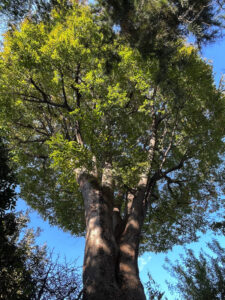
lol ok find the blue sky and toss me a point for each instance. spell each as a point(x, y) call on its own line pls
point(215, 53)
point(73, 248)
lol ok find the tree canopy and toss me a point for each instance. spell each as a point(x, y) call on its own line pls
point(154, 26)
point(75, 95)
point(116, 128)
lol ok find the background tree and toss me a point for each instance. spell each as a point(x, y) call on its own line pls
point(219, 227)
point(154, 26)
point(28, 271)
point(95, 133)
point(200, 277)
point(52, 279)
point(15, 11)
point(7, 182)
point(153, 290)
point(15, 279)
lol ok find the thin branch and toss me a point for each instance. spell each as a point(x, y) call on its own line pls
point(46, 98)
point(46, 102)
point(49, 124)
point(64, 93)
point(29, 126)
point(168, 148)
point(76, 90)
point(80, 294)
point(66, 129)
point(30, 141)
point(177, 167)
point(44, 283)
point(78, 95)
point(78, 98)
point(44, 95)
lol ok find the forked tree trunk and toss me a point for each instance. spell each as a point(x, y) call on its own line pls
point(110, 270)
point(129, 280)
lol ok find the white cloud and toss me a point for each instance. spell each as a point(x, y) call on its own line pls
point(143, 261)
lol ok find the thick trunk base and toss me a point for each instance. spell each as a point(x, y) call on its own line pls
point(110, 270)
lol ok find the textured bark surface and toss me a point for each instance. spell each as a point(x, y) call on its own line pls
point(110, 269)
point(100, 250)
point(128, 272)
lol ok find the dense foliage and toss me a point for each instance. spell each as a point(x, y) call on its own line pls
point(75, 76)
point(7, 181)
point(155, 26)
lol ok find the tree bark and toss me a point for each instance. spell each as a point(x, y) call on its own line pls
point(110, 270)
point(99, 275)
point(128, 272)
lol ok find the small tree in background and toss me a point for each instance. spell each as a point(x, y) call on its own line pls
point(200, 278)
point(13, 11)
point(28, 271)
point(16, 281)
point(153, 290)
point(31, 272)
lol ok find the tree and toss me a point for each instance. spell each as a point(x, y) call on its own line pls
point(154, 26)
point(218, 227)
point(14, 10)
point(28, 271)
point(52, 279)
point(7, 182)
point(201, 278)
point(105, 147)
point(15, 279)
point(154, 292)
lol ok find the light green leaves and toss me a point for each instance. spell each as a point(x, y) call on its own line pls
point(74, 79)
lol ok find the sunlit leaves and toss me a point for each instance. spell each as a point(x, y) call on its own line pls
point(65, 78)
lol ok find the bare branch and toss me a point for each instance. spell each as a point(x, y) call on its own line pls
point(44, 281)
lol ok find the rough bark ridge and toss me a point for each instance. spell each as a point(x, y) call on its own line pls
point(110, 269)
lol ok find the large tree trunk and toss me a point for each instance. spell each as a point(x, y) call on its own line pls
point(99, 276)
point(110, 270)
point(129, 280)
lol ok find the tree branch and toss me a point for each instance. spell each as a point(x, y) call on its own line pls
point(29, 126)
point(168, 148)
point(177, 167)
point(64, 93)
point(46, 98)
